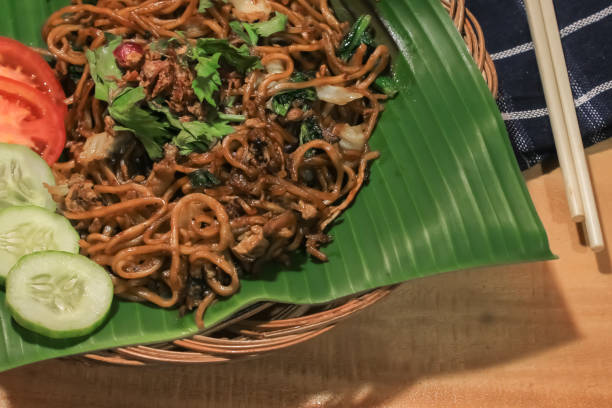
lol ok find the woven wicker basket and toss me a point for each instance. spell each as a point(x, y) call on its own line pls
point(270, 326)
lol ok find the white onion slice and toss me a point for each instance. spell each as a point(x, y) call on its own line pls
point(352, 137)
point(251, 10)
point(275, 67)
point(337, 94)
point(96, 147)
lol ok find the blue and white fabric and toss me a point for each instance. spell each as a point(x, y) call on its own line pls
point(586, 31)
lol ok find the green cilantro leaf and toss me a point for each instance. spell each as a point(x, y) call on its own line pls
point(126, 111)
point(207, 80)
point(204, 4)
point(245, 32)
point(274, 25)
point(197, 136)
point(103, 67)
point(250, 33)
point(203, 178)
point(238, 58)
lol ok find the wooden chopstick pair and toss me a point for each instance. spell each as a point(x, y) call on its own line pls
point(562, 112)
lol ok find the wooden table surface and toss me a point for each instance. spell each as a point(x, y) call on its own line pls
point(533, 335)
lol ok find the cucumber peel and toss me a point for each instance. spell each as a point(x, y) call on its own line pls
point(23, 175)
point(58, 294)
point(28, 229)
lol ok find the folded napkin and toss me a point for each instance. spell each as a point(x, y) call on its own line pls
point(586, 29)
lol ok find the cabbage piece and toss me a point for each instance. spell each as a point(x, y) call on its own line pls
point(251, 10)
point(337, 94)
point(352, 137)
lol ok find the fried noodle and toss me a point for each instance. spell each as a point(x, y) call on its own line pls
point(171, 243)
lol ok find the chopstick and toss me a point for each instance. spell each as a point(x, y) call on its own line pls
point(564, 122)
point(551, 93)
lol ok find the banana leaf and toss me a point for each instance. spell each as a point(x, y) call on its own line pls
point(445, 195)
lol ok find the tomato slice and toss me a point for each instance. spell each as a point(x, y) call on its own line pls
point(21, 63)
point(28, 117)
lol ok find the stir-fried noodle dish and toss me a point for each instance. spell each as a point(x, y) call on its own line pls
point(207, 138)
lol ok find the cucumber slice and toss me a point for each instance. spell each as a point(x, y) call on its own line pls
point(28, 229)
point(22, 174)
point(58, 294)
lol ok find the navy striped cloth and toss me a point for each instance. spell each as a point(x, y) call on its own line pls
point(586, 32)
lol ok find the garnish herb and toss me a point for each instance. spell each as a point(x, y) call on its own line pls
point(250, 33)
point(208, 79)
point(310, 130)
point(202, 178)
point(358, 34)
point(126, 111)
point(282, 102)
point(103, 67)
point(386, 85)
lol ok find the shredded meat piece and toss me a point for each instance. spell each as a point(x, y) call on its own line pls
point(182, 86)
point(156, 76)
point(130, 76)
point(164, 76)
point(313, 242)
point(308, 211)
point(233, 208)
point(295, 114)
point(330, 135)
point(239, 181)
point(252, 245)
point(109, 125)
point(183, 98)
point(194, 295)
point(132, 60)
point(82, 196)
point(163, 172)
